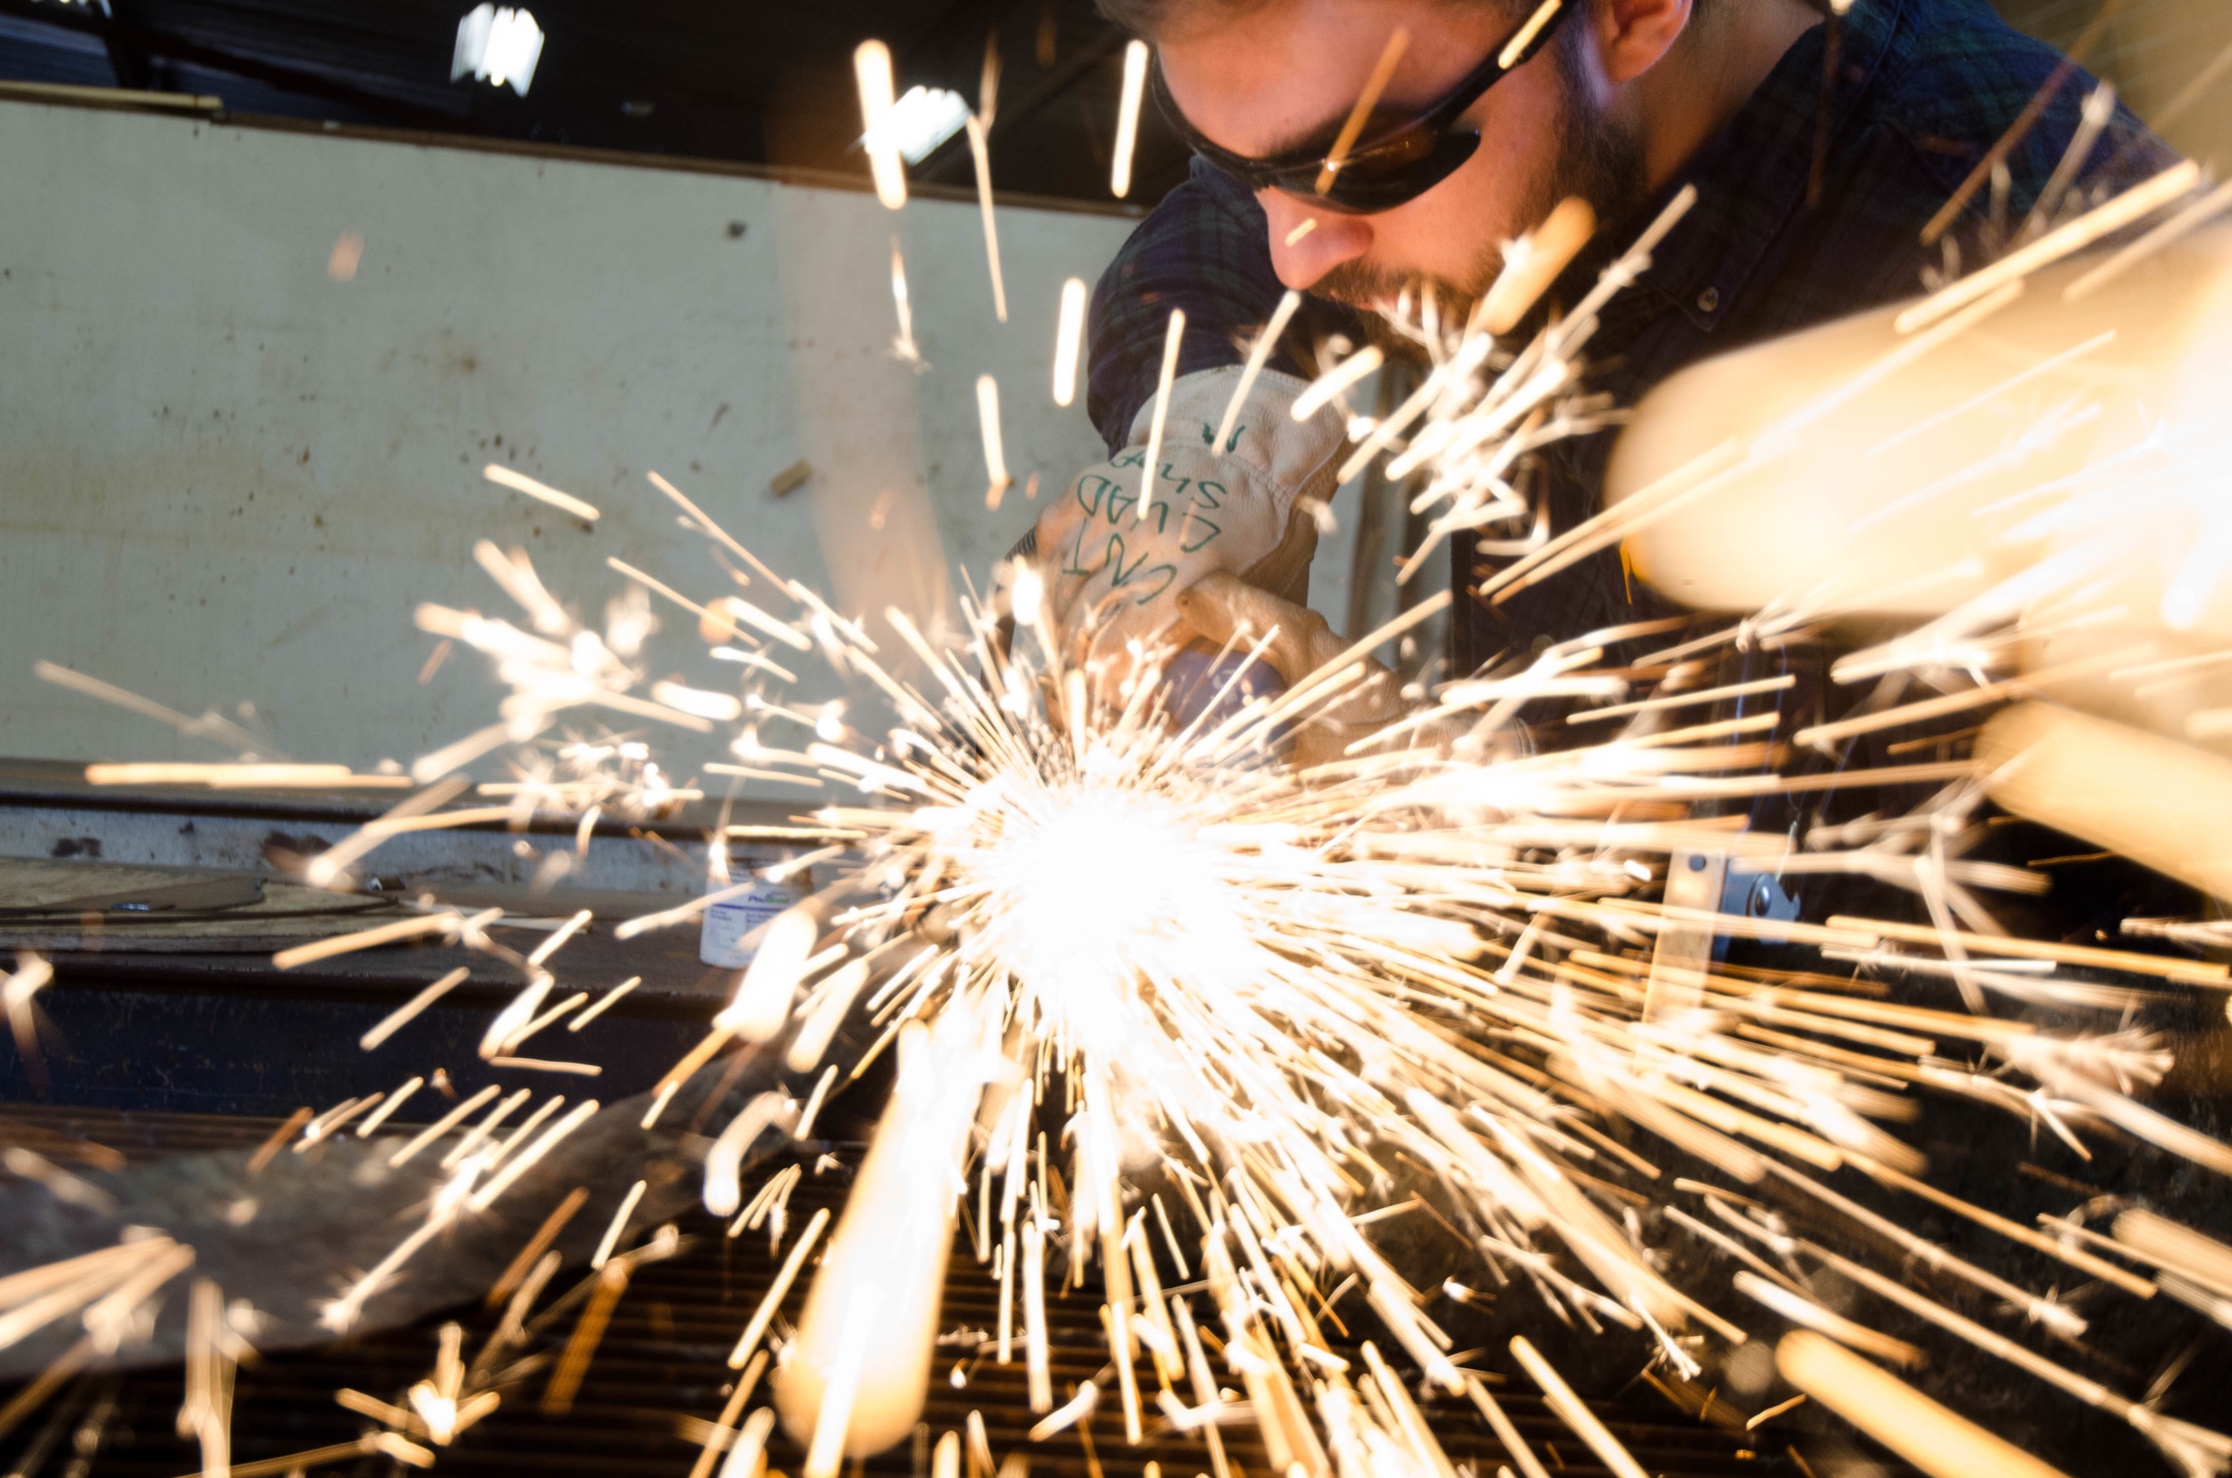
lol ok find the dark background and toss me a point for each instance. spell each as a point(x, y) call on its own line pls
point(753, 83)
point(770, 85)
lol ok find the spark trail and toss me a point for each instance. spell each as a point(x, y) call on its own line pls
point(1110, 949)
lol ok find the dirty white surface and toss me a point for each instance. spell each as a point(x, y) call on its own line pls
point(229, 478)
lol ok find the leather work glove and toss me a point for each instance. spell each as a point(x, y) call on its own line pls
point(1112, 577)
point(1225, 609)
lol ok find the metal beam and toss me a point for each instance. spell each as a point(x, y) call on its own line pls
point(1023, 109)
point(134, 69)
point(115, 33)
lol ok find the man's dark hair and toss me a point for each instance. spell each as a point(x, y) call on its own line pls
point(1145, 17)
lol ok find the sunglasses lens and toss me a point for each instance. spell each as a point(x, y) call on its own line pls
point(1393, 173)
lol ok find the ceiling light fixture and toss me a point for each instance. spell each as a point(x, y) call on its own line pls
point(923, 118)
point(498, 47)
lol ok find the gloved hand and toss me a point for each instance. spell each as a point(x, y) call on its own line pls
point(1225, 609)
point(1112, 577)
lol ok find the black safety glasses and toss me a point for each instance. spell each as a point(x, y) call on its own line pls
point(1395, 160)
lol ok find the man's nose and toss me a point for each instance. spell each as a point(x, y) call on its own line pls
point(1307, 243)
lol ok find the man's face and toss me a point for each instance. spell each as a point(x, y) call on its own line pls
point(1263, 79)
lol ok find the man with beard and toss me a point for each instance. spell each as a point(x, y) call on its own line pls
point(1819, 150)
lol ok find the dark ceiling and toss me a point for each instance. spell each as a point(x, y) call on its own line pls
point(747, 81)
point(758, 82)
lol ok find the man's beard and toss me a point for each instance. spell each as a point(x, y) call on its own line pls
point(1596, 160)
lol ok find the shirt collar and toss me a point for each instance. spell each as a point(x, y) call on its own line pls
point(1752, 176)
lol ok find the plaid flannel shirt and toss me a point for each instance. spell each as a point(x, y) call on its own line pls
point(1923, 89)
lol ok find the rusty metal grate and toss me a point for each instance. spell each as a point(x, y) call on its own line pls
point(660, 1372)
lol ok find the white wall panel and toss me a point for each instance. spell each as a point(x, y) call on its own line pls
point(227, 478)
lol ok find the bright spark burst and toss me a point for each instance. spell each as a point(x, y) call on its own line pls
point(1267, 982)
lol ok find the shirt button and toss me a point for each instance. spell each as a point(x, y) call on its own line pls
point(1708, 300)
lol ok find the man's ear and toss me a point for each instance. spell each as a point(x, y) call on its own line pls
point(1634, 36)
